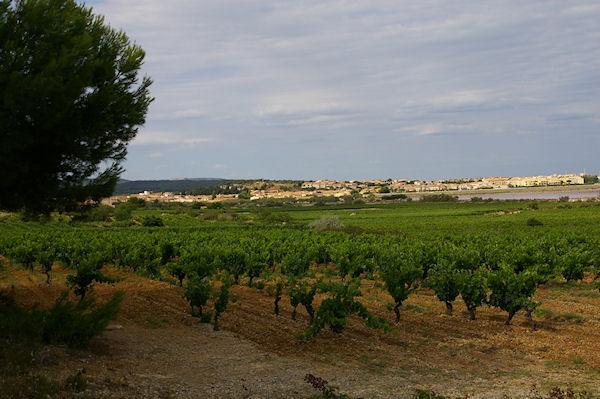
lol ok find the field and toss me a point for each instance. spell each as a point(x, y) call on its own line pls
point(157, 349)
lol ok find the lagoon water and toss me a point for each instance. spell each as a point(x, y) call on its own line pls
point(549, 195)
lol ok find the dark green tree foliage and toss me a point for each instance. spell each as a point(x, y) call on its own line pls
point(444, 279)
point(341, 303)
point(473, 289)
point(400, 276)
point(197, 293)
point(511, 291)
point(70, 101)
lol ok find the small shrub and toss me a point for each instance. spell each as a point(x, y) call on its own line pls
point(197, 293)
point(123, 212)
point(570, 317)
point(322, 385)
point(152, 221)
point(87, 273)
point(327, 222)
point(534, 222)
point(71, 323)
point(425, 394)
point(278, 218)
point(136, 202)
point(439, 198)
point(214, 205)
point(100, 213)
point(76, 323)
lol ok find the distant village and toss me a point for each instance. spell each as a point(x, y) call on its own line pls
point(334, 188)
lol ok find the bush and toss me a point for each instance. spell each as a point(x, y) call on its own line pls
point(327, 222)
point(511, 291)
point(214, 205)
point(87, 273)
point(439, 198)
point(137, 202)
point(152, 221)
point(534, 222)
point(197, 293)
point(75, 324)
point(394, 197)
point(100, 213)
point(276, 218)
point(123, 212)
point(65, 322)
point(400, 274)
point(336, 308)
point(444, 278)
point(473, 289)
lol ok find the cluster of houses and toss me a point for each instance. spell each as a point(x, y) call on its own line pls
point(404, 185)
point(344, 188)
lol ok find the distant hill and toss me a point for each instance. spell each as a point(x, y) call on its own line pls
point(174, 185)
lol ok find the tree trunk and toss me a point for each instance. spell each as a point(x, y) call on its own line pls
point(276, 310)
point(510, 316)
point(47, 273)
point(471, 313)
point(294, 313)
point(311, 312)
point(397, 311)
point(529, 318)
point(449, 308)
point(216, 327)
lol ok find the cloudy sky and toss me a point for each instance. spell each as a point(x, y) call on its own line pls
point(345, 89)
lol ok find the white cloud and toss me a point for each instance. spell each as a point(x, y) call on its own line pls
point(257, 76)
point(146, 137)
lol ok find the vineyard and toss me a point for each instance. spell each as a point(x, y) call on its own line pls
point(380, 267)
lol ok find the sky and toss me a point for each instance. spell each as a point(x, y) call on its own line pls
point(339, 89)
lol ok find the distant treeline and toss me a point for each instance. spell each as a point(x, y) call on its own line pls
point(214, 190)
point(138, 186)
